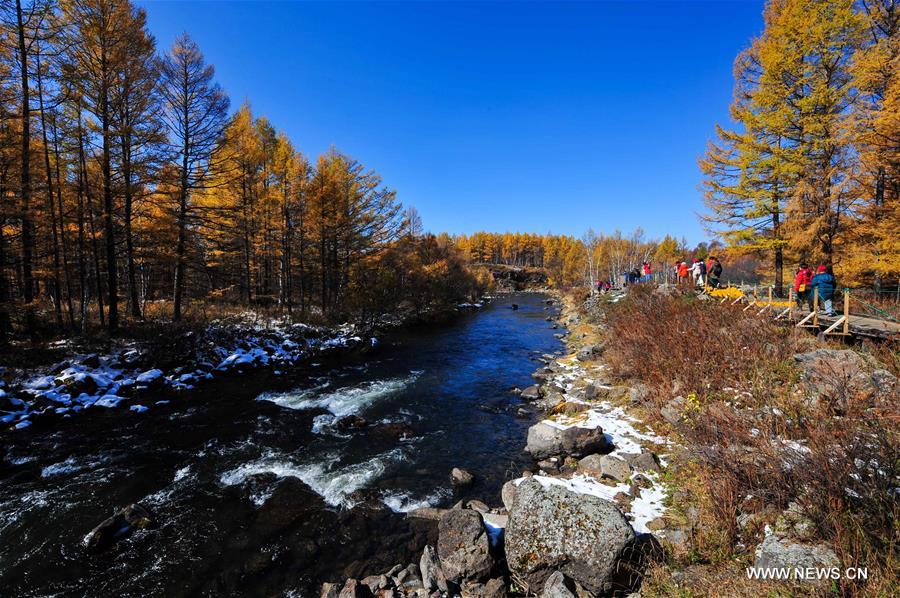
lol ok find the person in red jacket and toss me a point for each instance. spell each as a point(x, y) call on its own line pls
point(801, 284)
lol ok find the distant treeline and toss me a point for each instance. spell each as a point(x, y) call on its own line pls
point(127, 188)
point(572, 261)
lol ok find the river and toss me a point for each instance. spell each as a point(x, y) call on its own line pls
point(254, 488)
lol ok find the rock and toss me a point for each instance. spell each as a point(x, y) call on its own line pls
point(569, 408)
point(118, 527)
point(508, 494)
point(391, 432)
point(545, 440)
point(590, 465)
point(430, 513)
point(461, 478)
point(495, 520)
point(673, 411)
point(432, 574)
point(835, 378)
point(549, 465)
point(640, 393)
point(330, 590)
point(557, 586)
point(552, 528)
point(656, 524)
point(778, 552)
point(463, 546)
point(590, 392)
point(646, 461)
point(590, 352)
point(495, 588)
point(350, 422)
point(375, 582)
point(91, 361)
point(614, 468)
point(354, 589)
point(477, 505)
point(532, 393)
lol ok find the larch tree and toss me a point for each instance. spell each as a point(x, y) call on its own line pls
point(140, 130)
point(195, 113)
point(804, 95)
point(747, 178)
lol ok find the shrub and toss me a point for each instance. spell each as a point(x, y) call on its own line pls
point(755, 441)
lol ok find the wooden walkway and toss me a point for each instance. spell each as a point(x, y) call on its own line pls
point(843, 323)
point(864, 326)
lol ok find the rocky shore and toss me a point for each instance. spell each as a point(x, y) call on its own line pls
point(585, 520)
point(133, 374)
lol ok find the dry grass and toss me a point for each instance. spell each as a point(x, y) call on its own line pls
point(755, 443)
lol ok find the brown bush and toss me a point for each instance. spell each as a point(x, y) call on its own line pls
point(682, 345)
point(756, 442)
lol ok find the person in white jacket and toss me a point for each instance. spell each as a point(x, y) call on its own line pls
point(698, 271)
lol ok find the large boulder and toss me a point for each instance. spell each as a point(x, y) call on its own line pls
point(835, 378)
point(463, 546)
point(780, 552)
point(546, 440)
point(552, 528)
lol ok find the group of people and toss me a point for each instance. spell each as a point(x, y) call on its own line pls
point(823, 281)
point(702, 272)
point(636, 275)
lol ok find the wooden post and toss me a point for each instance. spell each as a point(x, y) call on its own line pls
point(846, 311)
point(770, 293)
point(816, 306)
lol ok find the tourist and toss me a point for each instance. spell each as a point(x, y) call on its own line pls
point(802, 281)
point(825, 283)
point(683, 272)
point(715, 272)
point(697, 270)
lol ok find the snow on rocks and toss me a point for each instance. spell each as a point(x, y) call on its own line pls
point(623, 469)
point(108, 380)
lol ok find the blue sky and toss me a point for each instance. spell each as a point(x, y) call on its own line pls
point(489, 115)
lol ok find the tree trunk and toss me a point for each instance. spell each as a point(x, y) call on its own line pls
point(25, 191)
point(129, 237)
point(67, 274)
point(108, 226)
point(54, 239)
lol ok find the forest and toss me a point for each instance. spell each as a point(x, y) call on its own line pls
point(130, 190)
point(809, 170)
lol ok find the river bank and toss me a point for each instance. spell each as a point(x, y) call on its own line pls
point(594, 473)
point(255, 481)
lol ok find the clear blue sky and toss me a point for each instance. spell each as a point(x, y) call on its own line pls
point(487, 115)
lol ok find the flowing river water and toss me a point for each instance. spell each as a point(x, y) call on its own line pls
point(254, 488)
